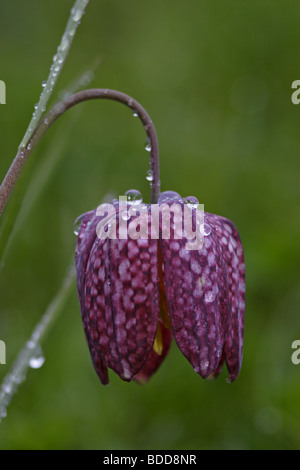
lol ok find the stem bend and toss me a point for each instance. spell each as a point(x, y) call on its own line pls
point(59, 109)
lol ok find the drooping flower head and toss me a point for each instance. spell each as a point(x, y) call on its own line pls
point(144, 277)
point(148, 273)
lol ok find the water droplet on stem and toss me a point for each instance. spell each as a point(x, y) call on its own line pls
point(37, 360)
point(149, 176)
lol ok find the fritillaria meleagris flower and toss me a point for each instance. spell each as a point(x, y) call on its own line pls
point(138, 288)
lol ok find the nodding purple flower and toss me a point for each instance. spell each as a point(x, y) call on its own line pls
point(144, 276)
point(139, 289)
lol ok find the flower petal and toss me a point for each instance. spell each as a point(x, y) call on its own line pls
point(85, 240)
point(122, 300)
point(86, 237)
point(196, 290)
point(154, 360)
point(233, 255)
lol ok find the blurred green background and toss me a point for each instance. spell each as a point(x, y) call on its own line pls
point(216, 79)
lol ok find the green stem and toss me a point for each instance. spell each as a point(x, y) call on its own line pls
point(17, 373)
point(58, 62)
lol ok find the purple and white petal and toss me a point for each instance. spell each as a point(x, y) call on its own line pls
point(196, 287)
point(155, 360)
point(233, 256)
point(85, 240)
point(122, 298)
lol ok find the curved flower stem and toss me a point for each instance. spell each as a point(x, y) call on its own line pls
point(60, 108)
point(24, 200)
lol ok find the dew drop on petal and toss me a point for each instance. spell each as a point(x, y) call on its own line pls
point(77, 224)
point(205, 229)
point(168, 196)
point(125, 215)
point(133, 210)
point(134, 197)
point(209, 296)
point(192, 200)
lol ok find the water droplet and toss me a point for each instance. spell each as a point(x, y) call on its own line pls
point(134, 197)
point(77, 224)
point(3, 412)
point(168, 196)
point(205, 229)
point(36, 106)
point(6, 387)
point(149, 176)
point(148, 147)
point(44, 83)
point(135, 114)
point(37, 360)
point(209, 296)
point(133, 210)
point(192, 201)
point(64, 44)
point(125, 215)
point(77, 15)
